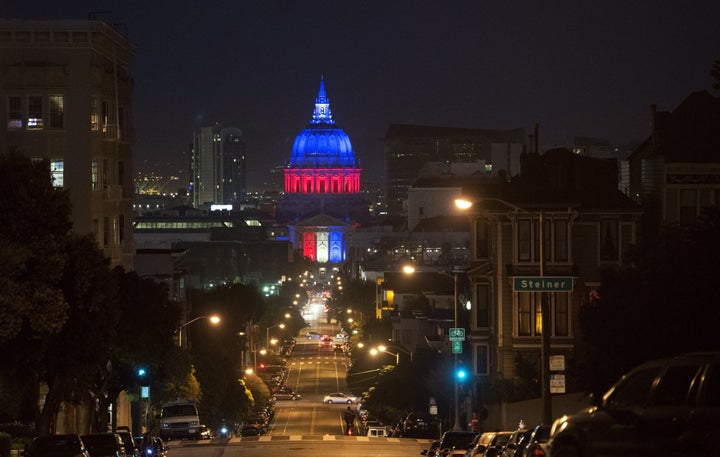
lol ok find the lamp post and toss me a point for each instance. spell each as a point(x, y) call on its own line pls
point(214, 319)
point(456, 388)
point(267, 334)
point(382, 348)
point(544, 308)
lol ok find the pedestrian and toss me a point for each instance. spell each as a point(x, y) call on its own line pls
point(349, 417)
point(474, 423)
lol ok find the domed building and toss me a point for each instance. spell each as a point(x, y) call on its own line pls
point(323, 198)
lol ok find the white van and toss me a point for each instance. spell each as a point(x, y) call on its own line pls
point(375, 431)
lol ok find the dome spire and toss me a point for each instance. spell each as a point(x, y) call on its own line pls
point(322, 113)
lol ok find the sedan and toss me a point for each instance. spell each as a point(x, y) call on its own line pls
point(285, 393)
point(339, 397)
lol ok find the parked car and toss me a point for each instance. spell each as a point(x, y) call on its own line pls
point(67, 445)
point(516, 443)
point(131, 449)
point(497, 444)
point(161, 450)
point(250, 430)
point(431, 451)
point(420, 425)
point(339, 397)
point(285, 393)
point(669, 406)
point(104, 445)
point(258, 422)
point(488, 444)
point(205, 432)
point(454, 443)
point(537, 442)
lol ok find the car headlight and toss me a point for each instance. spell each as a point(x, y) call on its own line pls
point(558, 425)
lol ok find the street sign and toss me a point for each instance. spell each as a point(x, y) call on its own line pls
point(457, 347)
point(542, 284)
point(457, 334)
point(557, 362)
point(557, 384)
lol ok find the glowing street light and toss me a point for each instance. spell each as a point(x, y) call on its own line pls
point(214, 320)
point(267, 333)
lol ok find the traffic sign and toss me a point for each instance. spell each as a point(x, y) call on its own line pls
point(457, 347)
point(542, 284)
point(457, 334)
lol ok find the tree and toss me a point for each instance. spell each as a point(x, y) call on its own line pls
point(35, 223)
point(661, 305)
point(66, 319)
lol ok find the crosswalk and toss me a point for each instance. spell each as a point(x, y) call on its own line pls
point(328, 438)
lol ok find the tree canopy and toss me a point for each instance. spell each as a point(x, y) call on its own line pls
point(663, 304)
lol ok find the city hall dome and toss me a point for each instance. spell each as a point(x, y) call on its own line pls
point(321, 144)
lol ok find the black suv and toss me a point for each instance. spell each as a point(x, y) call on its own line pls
point(57, 446)
point(664, 407)
point(420, 425)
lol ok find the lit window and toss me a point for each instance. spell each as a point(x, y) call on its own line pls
point(15, 115)
point(57, 169)
point(36, 119)
point(56, 114)
point(94, 176)
point(94, 114)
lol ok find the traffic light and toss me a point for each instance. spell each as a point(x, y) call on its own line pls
point(261, 366)
point(143, 378)
point(460, 374)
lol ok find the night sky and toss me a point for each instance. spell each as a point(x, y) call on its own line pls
point(577, 68)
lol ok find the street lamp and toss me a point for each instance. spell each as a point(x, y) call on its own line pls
point(465, 204)
point(409, 269)
point(267, 333)
point(214, 319)
point(381, 348)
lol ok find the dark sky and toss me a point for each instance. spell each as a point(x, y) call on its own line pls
point(577, 68)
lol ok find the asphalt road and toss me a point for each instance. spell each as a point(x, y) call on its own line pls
point(307, 427)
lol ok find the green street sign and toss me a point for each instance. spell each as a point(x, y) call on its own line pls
point(457, 334)
point(457, 347)
point(542, 284)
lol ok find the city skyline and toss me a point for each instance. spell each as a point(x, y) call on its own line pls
point(590, 70)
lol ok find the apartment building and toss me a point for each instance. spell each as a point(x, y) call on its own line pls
point(66, 95)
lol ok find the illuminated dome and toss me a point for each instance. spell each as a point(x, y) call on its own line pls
point(321, 145)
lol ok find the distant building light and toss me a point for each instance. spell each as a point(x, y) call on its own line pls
point(221, 207)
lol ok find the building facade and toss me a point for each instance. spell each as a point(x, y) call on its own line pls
point(322, 200)
point(675, 173)
point(411, 148)
point(585, 223)
point(323, 174)
point(218, 167)
point(67, 96)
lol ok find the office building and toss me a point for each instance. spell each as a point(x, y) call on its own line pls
point(218, 173)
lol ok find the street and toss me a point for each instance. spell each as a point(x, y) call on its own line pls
point(307, 426)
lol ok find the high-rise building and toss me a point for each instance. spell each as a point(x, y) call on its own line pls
point(66, 95)
point(411, 148)
point(218, 174)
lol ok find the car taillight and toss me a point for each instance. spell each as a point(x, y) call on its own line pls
point(537, 451)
